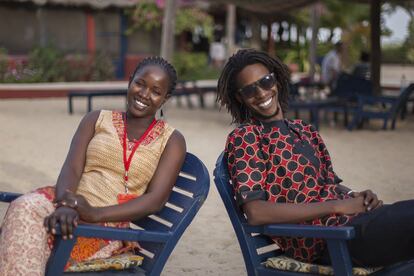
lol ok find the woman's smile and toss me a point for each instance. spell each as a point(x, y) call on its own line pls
point(139, 104)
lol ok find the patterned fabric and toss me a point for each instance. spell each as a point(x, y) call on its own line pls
point(289, 264)
point(102, 178)
point(23, 241)
point(120, 262)
point(85, 248)
point(284, 162)
point(118, 122)
point(20, 255)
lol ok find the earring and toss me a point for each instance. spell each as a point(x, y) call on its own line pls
point(162, 117)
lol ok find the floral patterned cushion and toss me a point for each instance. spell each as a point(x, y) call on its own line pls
point(289, 264)
point(118, 262)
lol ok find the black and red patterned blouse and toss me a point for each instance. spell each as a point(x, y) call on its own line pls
point(286, 162)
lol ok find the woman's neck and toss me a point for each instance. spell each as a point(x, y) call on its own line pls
point(137, 126)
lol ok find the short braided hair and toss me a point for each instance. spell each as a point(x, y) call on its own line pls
point(164, 65)
point(227, 87)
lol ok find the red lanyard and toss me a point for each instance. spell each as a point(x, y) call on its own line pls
point(127, 161)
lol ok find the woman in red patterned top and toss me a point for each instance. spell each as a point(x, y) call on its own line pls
point(282, 171)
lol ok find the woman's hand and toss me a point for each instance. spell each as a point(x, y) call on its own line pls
point(371, 201)
point(86, 212)
point(350, 206)
point(66, 217)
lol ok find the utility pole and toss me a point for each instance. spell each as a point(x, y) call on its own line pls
point(314, 40)
point(168, 27)
point(230, 28)
point(376, 45)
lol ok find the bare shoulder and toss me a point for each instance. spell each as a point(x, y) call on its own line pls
point(90, 118)
point(177, 141)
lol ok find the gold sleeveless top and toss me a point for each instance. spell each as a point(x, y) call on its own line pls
point(103, 177)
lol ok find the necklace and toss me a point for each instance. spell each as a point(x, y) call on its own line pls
point(127, 159)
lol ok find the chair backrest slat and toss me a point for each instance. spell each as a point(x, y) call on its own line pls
point(180, 200)
point(249, 243)
point(185, 183)
point(194, 182)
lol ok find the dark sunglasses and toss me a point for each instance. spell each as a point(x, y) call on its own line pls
point(264, 83)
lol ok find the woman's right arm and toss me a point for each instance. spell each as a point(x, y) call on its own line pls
point(74, 164)
point(70, 175)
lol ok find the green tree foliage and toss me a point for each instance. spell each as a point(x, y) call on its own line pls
point(189, 18)
point(353, 19)
point(409, 42)
point(148, 16)
point(48, 64)
point(3, 64)
point(194, 66)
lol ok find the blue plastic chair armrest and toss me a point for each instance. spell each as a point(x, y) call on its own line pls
point(297, 230)
point(8, 197)
point(113, 233)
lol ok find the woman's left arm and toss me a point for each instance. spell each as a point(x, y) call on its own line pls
point(153, 199)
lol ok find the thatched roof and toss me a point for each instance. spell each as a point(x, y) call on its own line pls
point(256, 6)
point(268, 6)
point(96, 4)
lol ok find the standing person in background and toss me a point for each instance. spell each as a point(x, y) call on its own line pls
point(331, 66)
point(217, 53)
point(121, 166)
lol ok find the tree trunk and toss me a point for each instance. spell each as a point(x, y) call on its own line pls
point(168, 27)
point(230, 28)
point(256, 39)
point(375, 14)
point(314, 41)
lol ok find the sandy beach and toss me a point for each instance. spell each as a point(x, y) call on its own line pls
point(35, 136)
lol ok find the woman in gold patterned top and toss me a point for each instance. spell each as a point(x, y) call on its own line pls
point(121, 166)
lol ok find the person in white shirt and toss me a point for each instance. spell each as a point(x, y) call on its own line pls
point(217, 53)
point(331, 66)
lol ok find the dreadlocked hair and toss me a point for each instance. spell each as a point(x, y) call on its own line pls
point(227, 87)
point(164, 65)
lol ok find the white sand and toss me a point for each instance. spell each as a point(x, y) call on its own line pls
point(35, 136)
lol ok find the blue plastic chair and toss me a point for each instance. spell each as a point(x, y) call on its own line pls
point(385, 108)
point(162, 230)
point(254, 238)
point(348, 88)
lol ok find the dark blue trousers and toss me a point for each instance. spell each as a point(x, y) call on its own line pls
point(384, 236)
